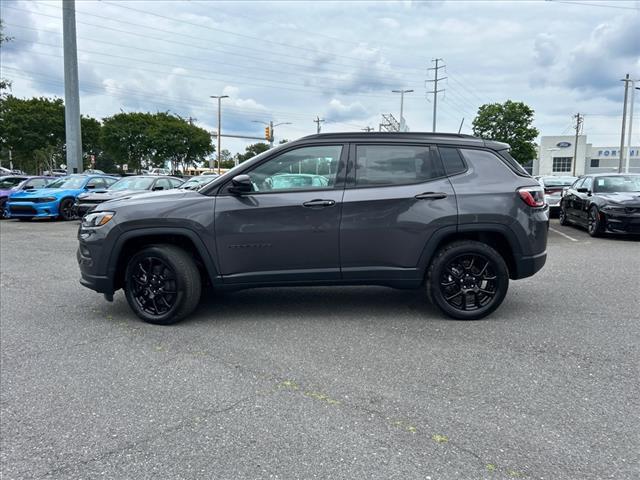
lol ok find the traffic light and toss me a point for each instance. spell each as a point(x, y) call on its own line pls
point(267, 133)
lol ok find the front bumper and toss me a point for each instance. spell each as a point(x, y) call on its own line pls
point(29, 209)
point(622, 223)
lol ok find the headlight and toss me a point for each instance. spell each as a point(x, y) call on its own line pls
point(97, 219)
point(613, 208)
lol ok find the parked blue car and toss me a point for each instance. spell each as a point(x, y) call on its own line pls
point(57, 199)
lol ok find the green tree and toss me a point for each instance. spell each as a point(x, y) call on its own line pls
point(251, 151)
point(509, 122)
point(125, 138)
point(31, 125)
point(178, 141)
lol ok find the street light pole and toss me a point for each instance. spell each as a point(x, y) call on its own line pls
point(71, 88)
point(401, 92)
point(629, 139)
point(219, 97)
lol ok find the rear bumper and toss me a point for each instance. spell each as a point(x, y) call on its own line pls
point(527, 266)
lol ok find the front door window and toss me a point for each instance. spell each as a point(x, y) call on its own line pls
point(307, 168)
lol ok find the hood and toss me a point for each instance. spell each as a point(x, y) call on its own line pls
point(104, 195)
point(46, 192)
point(149, 197)
point(626, 199)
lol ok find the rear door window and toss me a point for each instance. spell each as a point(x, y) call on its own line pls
point(380, 165)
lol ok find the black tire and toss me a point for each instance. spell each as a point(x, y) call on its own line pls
point(562, 216)
point(594, 224)
point(467, 268)
point(65, 210)
point(163, 272)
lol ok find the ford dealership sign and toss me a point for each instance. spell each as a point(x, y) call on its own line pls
point(563, 144)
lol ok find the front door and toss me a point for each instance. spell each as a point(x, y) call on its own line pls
point(287, 228)
point(397, 196)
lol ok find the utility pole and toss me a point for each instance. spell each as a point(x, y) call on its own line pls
point(626, 81)
point(401, 92)
point(579, 120)
point(368, 129)
point(191, 120)
point(435, 90)
point(460, 127)
point(318, 121)
point(631, 100)
point(219, 97)
point(71, 88)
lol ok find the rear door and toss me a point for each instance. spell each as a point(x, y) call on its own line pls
point(287, 228)
point(397, 196)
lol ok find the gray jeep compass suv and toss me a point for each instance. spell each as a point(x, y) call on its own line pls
point(451, 214)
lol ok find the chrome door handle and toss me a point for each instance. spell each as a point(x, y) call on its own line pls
point(431, 196)
point(318, 203)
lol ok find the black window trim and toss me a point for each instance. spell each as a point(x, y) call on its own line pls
point(223, 190)
point(351, 168)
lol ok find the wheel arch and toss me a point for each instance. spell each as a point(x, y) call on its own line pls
point(496, 236)
point(130, 242)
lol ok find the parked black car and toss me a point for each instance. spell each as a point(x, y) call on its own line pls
point(125, 187)
point(603, 203)
point(453, 214)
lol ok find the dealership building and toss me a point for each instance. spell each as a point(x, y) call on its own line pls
point(555, 157)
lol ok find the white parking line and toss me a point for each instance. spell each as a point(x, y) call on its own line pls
point(564, 234)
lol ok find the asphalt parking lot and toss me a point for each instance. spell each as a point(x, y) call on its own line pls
point(321, 382)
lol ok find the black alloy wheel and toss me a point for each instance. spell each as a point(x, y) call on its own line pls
point(162, 284)
point(468, 280)
point(594, 225)
point(65, 210)
point(154, 286)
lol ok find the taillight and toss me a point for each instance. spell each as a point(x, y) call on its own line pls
point(532, 196)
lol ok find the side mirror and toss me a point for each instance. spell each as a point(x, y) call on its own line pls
point(583, 190)
point(241, 184)
point(158, 187)
point(29, 187)
point(90, 187)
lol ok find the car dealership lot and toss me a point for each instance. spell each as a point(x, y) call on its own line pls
point(321, 382)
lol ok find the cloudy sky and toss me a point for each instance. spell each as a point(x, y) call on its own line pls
point(290, 61)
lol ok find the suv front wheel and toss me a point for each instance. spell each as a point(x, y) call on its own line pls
point(162, 284)
point(467, 280)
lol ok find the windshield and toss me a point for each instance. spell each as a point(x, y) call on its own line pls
point(558, 181)
point(618, 183)
point(68, 182)
point(134, 183)
point(7, 183)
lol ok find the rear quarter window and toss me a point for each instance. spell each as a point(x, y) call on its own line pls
point(452, 161)
point(484, 156)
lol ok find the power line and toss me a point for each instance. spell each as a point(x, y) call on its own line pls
point(593, 4)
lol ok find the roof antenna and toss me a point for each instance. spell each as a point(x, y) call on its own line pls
point(460, 125)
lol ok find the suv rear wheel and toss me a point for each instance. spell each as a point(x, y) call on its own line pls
point(162, 284)
point(467, 280)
